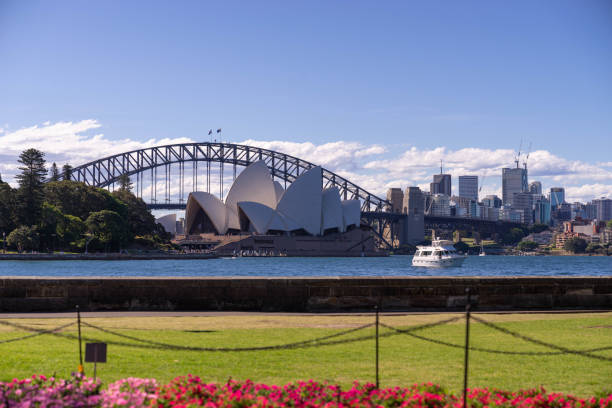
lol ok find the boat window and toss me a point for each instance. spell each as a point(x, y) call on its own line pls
point(418, 253)
point(436, 253)
point(426, 253)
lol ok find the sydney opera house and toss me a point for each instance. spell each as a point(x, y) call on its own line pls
point(260, 217)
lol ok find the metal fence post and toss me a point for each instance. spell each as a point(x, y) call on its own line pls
point(467, 347)
point(377, 324)
point(81, 370)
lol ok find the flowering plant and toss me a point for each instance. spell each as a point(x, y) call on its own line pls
point(191, 391)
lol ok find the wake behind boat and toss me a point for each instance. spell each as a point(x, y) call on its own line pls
point(440, 253)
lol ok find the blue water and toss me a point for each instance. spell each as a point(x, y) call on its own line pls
point(388, 266)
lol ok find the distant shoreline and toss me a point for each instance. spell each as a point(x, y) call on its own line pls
point(103, 257)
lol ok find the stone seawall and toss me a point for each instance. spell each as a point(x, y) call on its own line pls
point(333, 294)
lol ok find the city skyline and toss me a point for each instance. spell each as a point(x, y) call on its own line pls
point(377, 94)
point(366, 165)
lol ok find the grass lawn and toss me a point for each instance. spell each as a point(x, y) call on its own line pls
point(404, 360)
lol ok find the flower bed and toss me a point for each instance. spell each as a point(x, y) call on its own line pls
point(191, 391)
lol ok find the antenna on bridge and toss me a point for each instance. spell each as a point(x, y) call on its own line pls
point(441, 166)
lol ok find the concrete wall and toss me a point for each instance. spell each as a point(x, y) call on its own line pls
point(303, 294)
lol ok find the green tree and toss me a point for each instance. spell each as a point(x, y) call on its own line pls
point(575, 245)
point(23, 238)
point(513, 236)
point(609, 224)
point(538, 228)
point(125, 184)
point(50, 218)
point(527, 246)
point(70, 230)
point(108, 227)
point(592, 248)
point(7, 208)
point(55, 175)
point(66, 172)
point(139, 218)
point(79, 199)
point(31, 180)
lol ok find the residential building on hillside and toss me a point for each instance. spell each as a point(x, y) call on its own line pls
point(468, 187)
point(513, 181)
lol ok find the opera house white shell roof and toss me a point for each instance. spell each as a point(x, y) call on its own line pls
point(257, 204)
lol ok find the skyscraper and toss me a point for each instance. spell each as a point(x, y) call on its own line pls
point(535, 187)
point(492, 201)
point(441, 184)
point(513, 181)
point(556, 196)
point(468, 187)
point(604, 208)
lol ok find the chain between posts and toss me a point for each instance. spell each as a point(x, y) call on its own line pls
point(38, 333)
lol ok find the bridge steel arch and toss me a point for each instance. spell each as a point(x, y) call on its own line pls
point(106, 171)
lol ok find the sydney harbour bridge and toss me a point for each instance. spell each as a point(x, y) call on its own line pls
point(163, 176)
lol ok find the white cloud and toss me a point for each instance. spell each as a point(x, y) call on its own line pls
point(373, 167)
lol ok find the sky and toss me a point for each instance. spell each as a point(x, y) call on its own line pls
point(379, 92)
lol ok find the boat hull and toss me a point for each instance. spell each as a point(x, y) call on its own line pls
point(438, 263)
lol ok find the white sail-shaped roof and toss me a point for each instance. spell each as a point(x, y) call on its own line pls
point(168, 221)
point(259, 215)
point(213, 207)
point(302, 201)
point(254, 184)
point(332, 210)
point(279, 190)
point(351, 213)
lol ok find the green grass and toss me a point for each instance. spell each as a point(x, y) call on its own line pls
point(404, 360)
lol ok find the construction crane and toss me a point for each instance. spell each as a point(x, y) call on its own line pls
point(517, 158)
point(484, 176)
point(527, 156)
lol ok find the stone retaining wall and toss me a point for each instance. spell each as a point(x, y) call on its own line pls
point(19, 294)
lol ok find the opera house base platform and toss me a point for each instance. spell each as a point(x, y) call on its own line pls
point(354, 243)
point(314, 294)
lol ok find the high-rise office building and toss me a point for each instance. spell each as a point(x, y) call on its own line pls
point(414, 201)
point(556, 196)
point(396, 197)
point(441, 184)
point(468, 187)
point(535, 187)
point(492, 201)
point(524, 202)
point(541, 210)
point(604, 208)
point(440, 206)
point(513, 181)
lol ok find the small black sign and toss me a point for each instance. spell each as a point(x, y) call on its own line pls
point(95, 353)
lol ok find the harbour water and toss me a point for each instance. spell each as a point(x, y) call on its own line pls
point(284, 266)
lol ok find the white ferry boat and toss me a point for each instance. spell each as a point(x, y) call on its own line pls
point(441, 253)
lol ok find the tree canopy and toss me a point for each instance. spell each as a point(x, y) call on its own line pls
point(575, 245)
point(59, 213)
point(31, 183)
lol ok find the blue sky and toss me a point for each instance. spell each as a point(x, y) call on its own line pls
point(399, 75)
